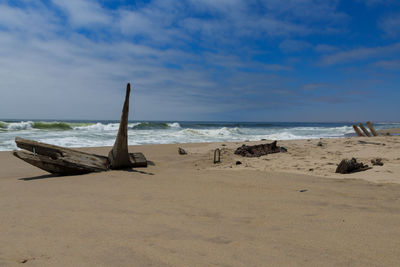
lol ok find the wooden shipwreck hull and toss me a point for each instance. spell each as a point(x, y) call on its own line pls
point(66, 161)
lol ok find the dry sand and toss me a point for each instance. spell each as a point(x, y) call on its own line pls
point(186, 211)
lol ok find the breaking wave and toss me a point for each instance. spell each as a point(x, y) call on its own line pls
point(102, 133)
point(40, 125)
point(155, 125)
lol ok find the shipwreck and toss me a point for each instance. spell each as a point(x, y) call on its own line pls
point(65, 161)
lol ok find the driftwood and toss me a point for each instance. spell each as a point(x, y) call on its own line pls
point(259, 150)
point(358, 132)
point(66, 161)
point(182, 151)
point(377, 162)
point(364, 130)
point(349, 166)
point(362, 127)
point(60, 160)
point(119, 156)
point(371, 128)
point(217, 156)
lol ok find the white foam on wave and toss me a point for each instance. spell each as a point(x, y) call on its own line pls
point(16, 126)
point(98, 127)
point(174, 125)
point(78, 141)
point(285, 136)
point(103, 134)
point(224, 131)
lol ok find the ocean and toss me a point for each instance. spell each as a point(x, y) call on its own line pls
point(103, 133)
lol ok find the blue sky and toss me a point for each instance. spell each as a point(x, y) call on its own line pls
point(230, 60)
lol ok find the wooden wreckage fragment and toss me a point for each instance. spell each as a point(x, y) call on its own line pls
point(372, 128)
point(357, 130)
point(350, 166)
point(259, 150)
point(59, 160)
point(364, 130)
point(66, 161)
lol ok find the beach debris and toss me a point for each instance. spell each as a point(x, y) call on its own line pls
point(238, 162)
point(181, 151)
point(358, 132)
point(66, 161)
point(371, 128)
point(371, 143)
point(368, 134)
point(217, 156)
point(303, 190)
point(320, 143)
point(349, 166)
point(364, 129)
point(377, 162)
point(259, 150)
point(119, 156)
point(310, 169)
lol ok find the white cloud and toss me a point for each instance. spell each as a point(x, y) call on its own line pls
point(372, 3)
point(31, 20)
point(179, 60)
point(324, 48)
point(358, 54)
point(291, 46)
point(84, 13)
point(387, 64)
point(316, 86)
point(391, 25)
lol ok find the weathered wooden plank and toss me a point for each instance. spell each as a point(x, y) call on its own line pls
point(358, 132)
point(138, 160)
point(259, 150)
point(66, 161)
point(371, 128)
point(60, 166)
point(364, 130)
point(119, 156)
point(90, 161)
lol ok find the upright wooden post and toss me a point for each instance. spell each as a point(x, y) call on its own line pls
point(358, 132)
point(118, 156)
point(371, 128)
point(364, 130)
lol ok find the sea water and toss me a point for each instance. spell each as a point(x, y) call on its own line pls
point(103, 133)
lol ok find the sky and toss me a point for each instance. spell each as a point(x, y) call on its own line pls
point(209, 60)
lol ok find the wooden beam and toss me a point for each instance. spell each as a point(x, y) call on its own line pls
point(56, 159)
point(358, 132)
point(371, 128)
point(119, 156)
point(364, 130)
point(59, 166)
point(138, 160)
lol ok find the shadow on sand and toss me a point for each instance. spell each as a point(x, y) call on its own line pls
point(44, 176)
point(49, 176)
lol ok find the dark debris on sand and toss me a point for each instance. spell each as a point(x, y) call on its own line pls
point(259, 150)
point(349, 166)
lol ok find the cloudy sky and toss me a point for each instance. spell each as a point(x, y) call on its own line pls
point(229, 60)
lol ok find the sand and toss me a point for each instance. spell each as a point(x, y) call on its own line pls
point(186, 211)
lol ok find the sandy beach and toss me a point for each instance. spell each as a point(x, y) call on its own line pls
point(285, 209)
